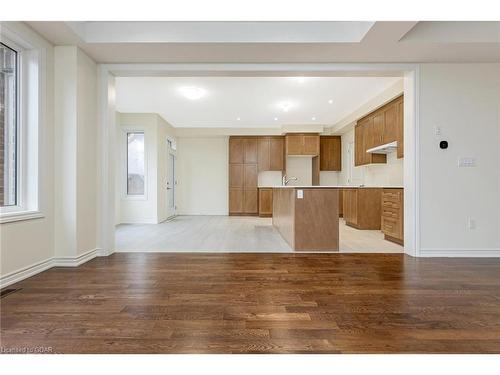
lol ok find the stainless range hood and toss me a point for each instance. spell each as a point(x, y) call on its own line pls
point(384, 149)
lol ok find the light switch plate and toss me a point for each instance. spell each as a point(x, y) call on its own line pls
point(300, 194)
point(466, 162)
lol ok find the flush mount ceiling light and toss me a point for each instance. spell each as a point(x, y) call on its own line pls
point(313, 118)
point(192, 92)
point(285, 106)
point(330, 101)
point(238, 118)
point(275, 119)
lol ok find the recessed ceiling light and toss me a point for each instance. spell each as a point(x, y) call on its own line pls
point(275, 119)
point(192, 92)
point(300, 79)
point(313, 118)
point(285, 106)
point(238, 119)
point(330, 101)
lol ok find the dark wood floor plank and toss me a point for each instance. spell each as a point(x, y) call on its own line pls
point(258, 303)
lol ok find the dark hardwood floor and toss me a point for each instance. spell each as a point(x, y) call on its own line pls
point(258, 303)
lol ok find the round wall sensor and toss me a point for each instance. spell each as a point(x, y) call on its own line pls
point(443, 145)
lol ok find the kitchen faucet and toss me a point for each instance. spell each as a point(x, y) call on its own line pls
point(286, 180)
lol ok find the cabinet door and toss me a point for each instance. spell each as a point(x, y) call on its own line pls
point(353, 206)
point(390, 123)
point(236, 175)
point(359, 144)
point(250, 176)
point(250, 150)
point(276, 154)
point(235, 201)
point(294, 144)
point(310, 145)
point(250, 201)
point(236, 150)
point(330, 153)
point(400, 127)
point(377, 131)
point(265, 202)
point(264, 154)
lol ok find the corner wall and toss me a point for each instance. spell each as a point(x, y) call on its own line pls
point(463, 100)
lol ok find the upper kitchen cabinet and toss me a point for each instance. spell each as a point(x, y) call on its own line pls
point(382, 126)
point(271, 152)
point(330, 151)
point(302, 144)
point(390, 133)
point(236, 150)
point(363, 140)
point(250, 146)
point(400, 126)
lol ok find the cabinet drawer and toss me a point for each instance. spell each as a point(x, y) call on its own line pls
point(390, 205)
point(391, 196)
point(390, 227)
point(390, 213)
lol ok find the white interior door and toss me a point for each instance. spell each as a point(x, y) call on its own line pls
point(170, 184)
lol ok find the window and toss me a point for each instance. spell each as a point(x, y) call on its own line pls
point(8, 125)
point(135, 163)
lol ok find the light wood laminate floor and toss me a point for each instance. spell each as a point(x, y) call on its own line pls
point(233, 234)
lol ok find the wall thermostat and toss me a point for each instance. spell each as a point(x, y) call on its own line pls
point(443, 145)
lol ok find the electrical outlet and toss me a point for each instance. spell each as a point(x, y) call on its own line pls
point(471, 223)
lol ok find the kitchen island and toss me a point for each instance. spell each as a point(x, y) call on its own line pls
point(307, 217)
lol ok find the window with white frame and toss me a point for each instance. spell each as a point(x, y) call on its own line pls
point(22, 115)
point(8, 125)
point(135, 164)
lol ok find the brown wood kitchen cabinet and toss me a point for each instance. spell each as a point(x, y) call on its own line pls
point(243, 172)
point(361, 207)
point(302, 144)
point(330, 153)
point(363, 138)
point(384, 125)
point(271, 153)
point(392, 215)
point(265, 202)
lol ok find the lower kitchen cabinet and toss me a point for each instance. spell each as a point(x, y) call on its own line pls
point(361, 207)
point(265, 202)
point(392, 215)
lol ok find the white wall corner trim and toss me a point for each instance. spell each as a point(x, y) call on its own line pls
point(460, 253)
point(36, 268)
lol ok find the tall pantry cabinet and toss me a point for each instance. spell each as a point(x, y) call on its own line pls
point(243, 173)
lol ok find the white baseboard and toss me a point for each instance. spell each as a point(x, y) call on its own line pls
point(44, 265)
point(76, 260)
point(26, 272)
point(460, 253)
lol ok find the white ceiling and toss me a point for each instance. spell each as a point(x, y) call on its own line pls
point(255, 100)
point(380, 41)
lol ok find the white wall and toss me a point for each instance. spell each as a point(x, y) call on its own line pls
point(137, 209)
point(202, 166)
point(75, 152)
point(87, 134)
point(300, 167)
point(152, 208)
point(464, 101)
point(30, 242)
